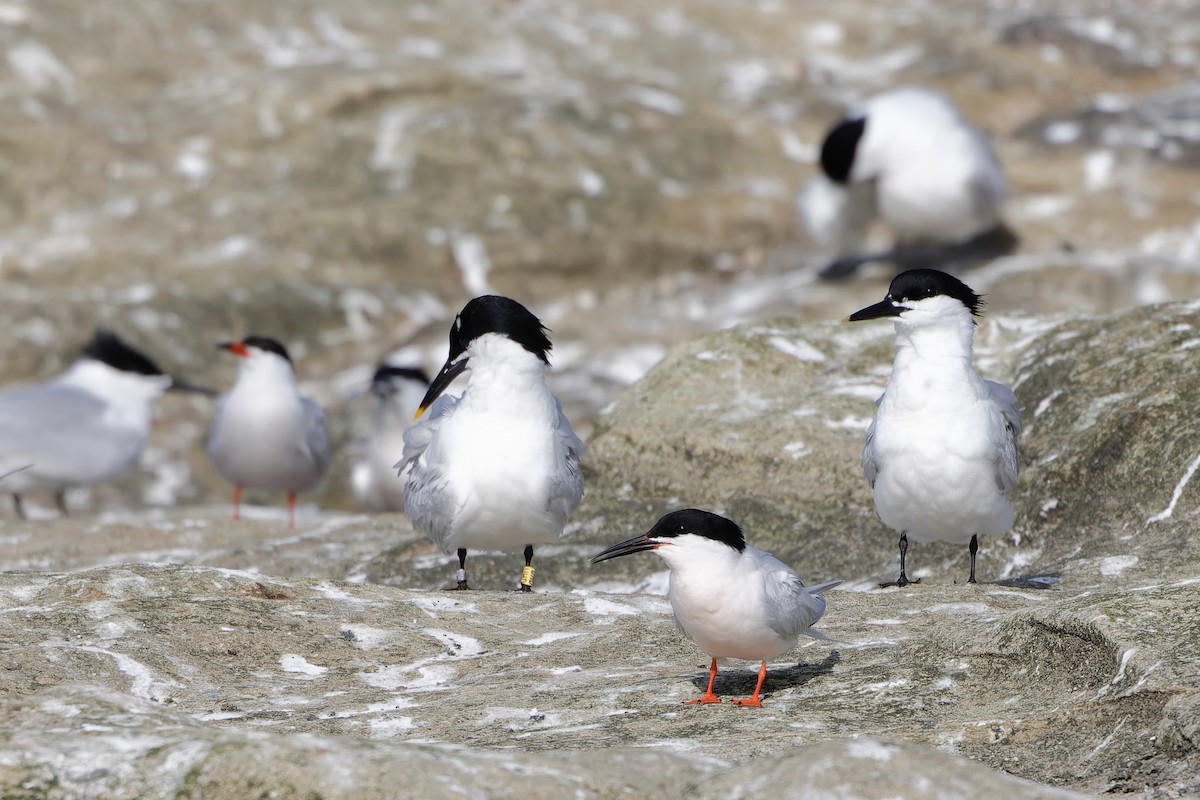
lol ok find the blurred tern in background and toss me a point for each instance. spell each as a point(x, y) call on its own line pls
point(731, 599)
point(907, 158)
point(498, 467)
point(941, 454)
point(265, 434)
point(396, 394)
point(87, 426)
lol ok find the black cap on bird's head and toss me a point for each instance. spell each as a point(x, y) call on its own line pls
point(383, 382)
point(492, 313)
point(483, 315)
point(679, 523)
point(840, 148)
point(264, 343)
point(108, 348)
point(700, 523)
point(915, 285)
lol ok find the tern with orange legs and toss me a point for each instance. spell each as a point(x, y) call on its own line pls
point(265, 434)
point(731, 599)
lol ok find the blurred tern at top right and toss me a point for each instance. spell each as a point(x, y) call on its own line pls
point(907, 158)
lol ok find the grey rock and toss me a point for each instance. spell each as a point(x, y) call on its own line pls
point(190, 172)
point(766, 423)
point(1087, 683)
point(869, 768)
point(83, 741)
point(227, 682)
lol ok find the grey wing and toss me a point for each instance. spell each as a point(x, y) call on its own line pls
point(55, 429)
point(418, 436)
point(566, 489)
point(316, 440)
point(429, 502)
point(801, 606)
point(218, 414)
point(870, 466)
point(1008, 456)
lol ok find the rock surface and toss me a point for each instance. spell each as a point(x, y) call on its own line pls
point(345, 177)
point(217, 681)
point(766, 422)
point(1077, 670)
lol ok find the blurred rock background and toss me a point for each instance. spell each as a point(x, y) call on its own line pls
point(345, 176)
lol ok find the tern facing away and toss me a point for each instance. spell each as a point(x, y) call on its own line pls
point(396, 394)
point(731, 599)
point(87, 426)
point(498, 467)
point(265, 434)
point(941, 454)
point(907, 158)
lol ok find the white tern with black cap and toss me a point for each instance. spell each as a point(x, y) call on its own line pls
point(87, 426)
point(498, 467)
point(908, 158)
point(941, 453)
point(731, 599)
point(396, 394)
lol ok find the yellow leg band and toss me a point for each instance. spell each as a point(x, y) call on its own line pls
point(527, 576)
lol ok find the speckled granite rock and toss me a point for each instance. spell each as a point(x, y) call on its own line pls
point(209, 680)
point(767, 422)
point(343, 179)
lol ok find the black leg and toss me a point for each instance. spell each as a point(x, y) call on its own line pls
point(60, 500)
point(981, 249)
point(903, 579)
point(974, 547)
point(19, 506)
point(846, 266)
point(527, 573)
point(462, 570)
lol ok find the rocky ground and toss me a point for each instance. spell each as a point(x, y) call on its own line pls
point(202, 649)
point(345, 177)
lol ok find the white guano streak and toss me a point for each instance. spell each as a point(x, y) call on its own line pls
point(1179, 487)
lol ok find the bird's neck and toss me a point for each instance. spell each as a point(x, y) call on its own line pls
point(945, 344)
point(504, 373)
point(266, 378)
point(113, 386)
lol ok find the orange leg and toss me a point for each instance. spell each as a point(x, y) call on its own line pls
point(291, 511)
point(237, 503)
point(752, 701)
point(708, 697)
